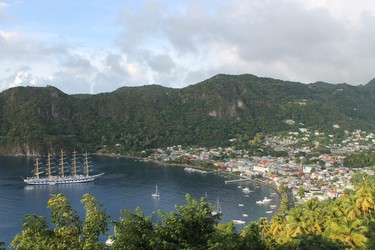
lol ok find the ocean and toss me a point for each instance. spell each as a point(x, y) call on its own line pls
point(127, 184)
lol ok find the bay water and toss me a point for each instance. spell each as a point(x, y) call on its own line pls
point(127, 184)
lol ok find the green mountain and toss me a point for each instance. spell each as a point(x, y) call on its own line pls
point(209, 113)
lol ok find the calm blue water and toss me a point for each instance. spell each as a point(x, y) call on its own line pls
point(127, 184)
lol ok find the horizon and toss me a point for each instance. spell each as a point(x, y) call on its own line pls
point(155, 84)
point(103, 46)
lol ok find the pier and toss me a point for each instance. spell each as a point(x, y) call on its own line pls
point(238, 180)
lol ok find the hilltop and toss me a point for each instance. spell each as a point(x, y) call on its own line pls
point(210, 113)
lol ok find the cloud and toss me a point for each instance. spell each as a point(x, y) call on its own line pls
point(115, 63)
point(3, 16)
point(177, 43)
point(284, 39)
point(20, 77)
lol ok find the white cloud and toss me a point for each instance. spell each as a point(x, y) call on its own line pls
point(183, 42)
point(347, 10)
point(291, 40)
point(2, 13)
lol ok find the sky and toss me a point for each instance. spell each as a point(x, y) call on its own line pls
point(95, 46)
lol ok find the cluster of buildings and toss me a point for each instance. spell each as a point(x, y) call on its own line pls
point(312, 165)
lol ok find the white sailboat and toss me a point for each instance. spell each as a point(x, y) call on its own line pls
point(218, 210)
point(156, 194)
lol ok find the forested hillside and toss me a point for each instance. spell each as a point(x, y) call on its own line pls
point(35, 120)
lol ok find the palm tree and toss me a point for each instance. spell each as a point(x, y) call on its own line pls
point(296, 222)
point(365, 198)
point(277, 224)
point(348, 231)
point(337, 208)
point(352, 211)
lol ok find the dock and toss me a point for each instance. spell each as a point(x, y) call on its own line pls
point(238, 180)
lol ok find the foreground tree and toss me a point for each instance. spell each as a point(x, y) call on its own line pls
point(190, 227)
point(225, 237)
point(68, 232)
point(133, 231)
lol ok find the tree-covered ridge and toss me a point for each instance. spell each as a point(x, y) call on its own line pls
point(342, 223)
point(35, 120)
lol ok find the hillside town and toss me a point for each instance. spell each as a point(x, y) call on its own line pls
point(311, 166)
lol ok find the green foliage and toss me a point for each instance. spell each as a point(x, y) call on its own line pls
point(68, 232)
point(134, 231)
point(345, 222)
point(224, 237)
point(96, 223)
point(313, 242)
point(301, 192)
point(251, 237)
point(334, 224)
point(360, 160)
point(190, 227)
point(130, 119)
point(283, 189)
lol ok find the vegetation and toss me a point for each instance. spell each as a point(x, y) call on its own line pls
point(68, 232)
point(36, 120)
point(342, 223)
point(360, 160)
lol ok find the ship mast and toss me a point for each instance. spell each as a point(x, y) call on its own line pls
point(37, 168)
point(49, 165)
point(74, 164)
point(87, 165)
point(62, 163)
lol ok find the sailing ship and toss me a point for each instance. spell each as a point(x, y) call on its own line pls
point(218, 210)
point(62, 178)
point(156, 194)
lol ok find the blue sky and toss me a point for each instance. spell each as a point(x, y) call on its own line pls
point(98, 46)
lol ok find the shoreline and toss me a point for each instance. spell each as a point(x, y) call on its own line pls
point(152, 161)
point(225, 173)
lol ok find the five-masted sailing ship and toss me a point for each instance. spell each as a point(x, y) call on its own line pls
point(62, 178)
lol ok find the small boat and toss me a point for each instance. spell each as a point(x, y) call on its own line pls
point(218, 210)
point(156, 194)
point(269, 212)
point(259, 202)
point(245, 215)
point(246, 196)
point(246, 190)
point(272, 206)
point(272, 194)
point(190, 169)
point(267, 199)
point(238, 222)
point(109, 242)
point(240, 205)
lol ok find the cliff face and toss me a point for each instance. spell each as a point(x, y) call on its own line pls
point(35, 120)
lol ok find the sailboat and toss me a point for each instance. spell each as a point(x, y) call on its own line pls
point(218, 210)
point(50, 179)
point(156, 194)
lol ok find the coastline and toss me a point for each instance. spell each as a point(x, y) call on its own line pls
point(153, 161)
point(195, 167)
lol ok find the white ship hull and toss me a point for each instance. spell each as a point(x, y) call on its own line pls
point(61, 180)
